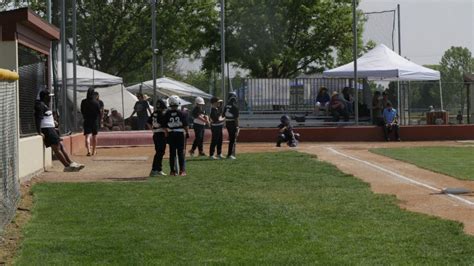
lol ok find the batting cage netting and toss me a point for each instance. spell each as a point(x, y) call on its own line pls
point(380, 28)
point(9, 181)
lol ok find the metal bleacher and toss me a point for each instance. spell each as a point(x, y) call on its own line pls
point(271, 119)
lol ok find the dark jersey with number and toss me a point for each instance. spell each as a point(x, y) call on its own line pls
point(157, 121)
point(175, 120)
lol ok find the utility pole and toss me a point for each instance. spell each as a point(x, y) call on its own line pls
point(64, 124)
point(224, 94)
point(74, 60)
point(153, 44)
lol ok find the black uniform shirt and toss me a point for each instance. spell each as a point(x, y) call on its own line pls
point(231, 111)
point(175, 120)
point(90, 109)
point(288, 132)
point(156, 120)
point(215, 114)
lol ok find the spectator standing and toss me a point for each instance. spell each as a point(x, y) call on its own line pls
point(142, 109)
point(390, 117)
point(200, 120)
point(377, 108)
point(217, 123)
point(322, 100)
point(231, 114)
point(348, 99)
point(101, 104)
point(90, 109)
point(45, 126)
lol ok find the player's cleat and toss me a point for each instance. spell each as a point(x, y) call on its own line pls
point(231, 157)
point(191, 153)
point(220, 156)
point(71, 169)
point(182, 173)
point(202, 154)
point(156, 173)
point(278, 145)
point(77, 165)
point(213, 157)
point(173, 173)
point(89, 153)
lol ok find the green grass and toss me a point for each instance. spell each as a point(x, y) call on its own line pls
point(272, 208)
point(457, 162)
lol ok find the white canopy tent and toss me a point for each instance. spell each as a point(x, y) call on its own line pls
point(381, 63)
point(168, 87)
point(109, 87)
point(88, 77)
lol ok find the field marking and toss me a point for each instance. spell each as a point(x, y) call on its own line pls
point(468, 202)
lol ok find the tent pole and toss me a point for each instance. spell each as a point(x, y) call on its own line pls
point(123, 109)
point(441, 95)
point(354, 54)
point(398, 99)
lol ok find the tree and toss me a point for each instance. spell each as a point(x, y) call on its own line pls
point(114, 36)
point(455, 62)
point(280, 38)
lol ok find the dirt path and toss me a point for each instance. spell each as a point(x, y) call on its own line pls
point(416, 188)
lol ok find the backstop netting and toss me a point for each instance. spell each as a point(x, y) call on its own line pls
point(9, 181)
point(380, 27)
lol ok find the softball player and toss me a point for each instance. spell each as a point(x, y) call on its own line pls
point(231, 114)
point(156, 122)
point(217, 122)
point(200, 120)
point(176, 125)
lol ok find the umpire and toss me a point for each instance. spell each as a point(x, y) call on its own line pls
point(231, 114)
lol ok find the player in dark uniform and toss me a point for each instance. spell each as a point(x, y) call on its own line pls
point(46, 127)
point(156, 122)
point(217, 123)
point(176, 126)
point(231, 114)
point(90, 109)
point(286, 133)
point(200, 120)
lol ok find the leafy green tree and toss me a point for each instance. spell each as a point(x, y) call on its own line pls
point(280, 38)
point(455, 62)
point(114, 36)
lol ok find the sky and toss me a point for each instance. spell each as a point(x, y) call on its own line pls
point(430, 27)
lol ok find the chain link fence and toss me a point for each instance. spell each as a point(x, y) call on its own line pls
point(9, 181)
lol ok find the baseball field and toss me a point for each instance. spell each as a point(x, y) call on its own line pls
point(318, 204)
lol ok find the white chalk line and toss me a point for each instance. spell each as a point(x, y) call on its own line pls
point(468, 202)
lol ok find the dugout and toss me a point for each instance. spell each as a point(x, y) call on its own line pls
point(469, 83)
point(25, 43)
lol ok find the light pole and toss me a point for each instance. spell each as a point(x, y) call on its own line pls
point(153, 44)
point(223, 50)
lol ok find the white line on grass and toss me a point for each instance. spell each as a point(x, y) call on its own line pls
point(401, 176)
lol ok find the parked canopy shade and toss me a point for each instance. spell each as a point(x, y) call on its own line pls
point(381, 63)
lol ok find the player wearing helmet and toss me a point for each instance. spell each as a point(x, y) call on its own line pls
point(156, 122)
point(286, 133)
point(200, 120)
point(176, 126)
point(231, 114)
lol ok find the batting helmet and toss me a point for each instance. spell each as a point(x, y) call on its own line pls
point(173, 100)
point(160, 104)
point(285, 119)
